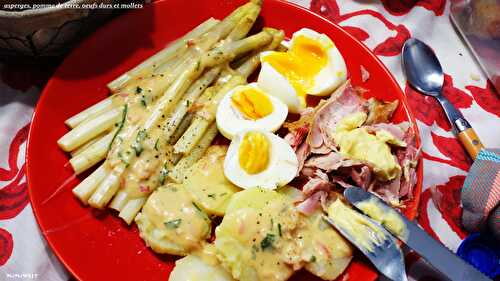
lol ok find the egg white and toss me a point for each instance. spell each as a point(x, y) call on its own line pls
point(281, 169)
point(330, 77)
point(334, 73)
point(230, 120)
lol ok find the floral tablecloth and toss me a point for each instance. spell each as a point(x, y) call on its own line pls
point(383, 26)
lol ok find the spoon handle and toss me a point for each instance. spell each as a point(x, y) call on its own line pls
point(471, 142)
point(466, 135)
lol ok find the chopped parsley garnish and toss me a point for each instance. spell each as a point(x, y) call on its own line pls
point(223, 194)
point(143, 101)
point(254, 251)
point(120, 155)
point(163, 174)
point(197, 208)
point(267, 242)
point(173, 224)
point(212, 195)
point(313, 259)
point(323, 225)
point(279, 229)
point(157, 143)
point(120, 127)
point(137, 146)
point(201, 213)
point(138, 90)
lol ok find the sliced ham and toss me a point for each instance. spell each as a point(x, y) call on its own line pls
point(362, 177)
point(380, 111)
point(341, 182)
point(323, 149)
point(343, 102)
point(330, 162)
point(302, 153)
point(320, 174)
point(311, 204)
point(322, 169)
point(408, 159)
point(397, 130)
point(316, 184)
point(296, 137)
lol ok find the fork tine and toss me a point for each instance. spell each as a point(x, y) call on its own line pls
point(386, 256)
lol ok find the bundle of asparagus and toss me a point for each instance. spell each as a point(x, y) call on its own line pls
point(160, 118)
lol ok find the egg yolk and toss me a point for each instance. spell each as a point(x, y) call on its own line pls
point(254, 152)
point(252, 103)
point(300, 64)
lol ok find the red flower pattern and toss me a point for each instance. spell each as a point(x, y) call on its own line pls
point(402, 7)
point(6, 245)
point(14, 196)
point(446, 197)
point(451, 148)
point(423, 218)
point(428, 110)
point(389, 47)
point(487, 98)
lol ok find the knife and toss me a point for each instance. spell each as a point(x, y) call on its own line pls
point(445, 261)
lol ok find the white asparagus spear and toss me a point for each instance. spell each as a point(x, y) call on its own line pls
point(130, 210)
point(105, 190)
point(85, 189)
point(133, 206)
point(179, 171)
point(162, 56)
point(92, 155)
point(204, 118)
point(87, 144)
point(119, 200)
point(89, 129)
point(109, 185)
point(96, 109)
point(214, 33)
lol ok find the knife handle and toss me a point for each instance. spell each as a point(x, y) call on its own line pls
point(471, 142)
point(469, 139)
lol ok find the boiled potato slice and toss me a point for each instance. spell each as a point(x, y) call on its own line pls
point(193, 268)
point(326, 252)
point(254, 241)
point(171, 223)
point(292, 193)
point(207, 184)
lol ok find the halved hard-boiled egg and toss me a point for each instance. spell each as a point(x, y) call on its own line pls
point(312, 66)
point(248, 107)
point(257, 158)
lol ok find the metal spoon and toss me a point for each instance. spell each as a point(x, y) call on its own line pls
point(424, 73)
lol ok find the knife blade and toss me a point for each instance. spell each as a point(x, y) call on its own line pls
point(440, 257)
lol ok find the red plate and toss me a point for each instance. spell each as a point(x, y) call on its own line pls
point(95, 245)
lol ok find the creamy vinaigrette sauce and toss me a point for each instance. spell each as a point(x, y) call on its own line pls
point(141, 156)
point(326, 252)
point(257, 243)
point(171, 210)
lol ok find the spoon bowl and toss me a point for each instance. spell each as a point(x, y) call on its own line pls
point(424, 73)
point(422, 67)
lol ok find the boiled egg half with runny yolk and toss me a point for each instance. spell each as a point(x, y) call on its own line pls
point(258, 158)
point(312, 66)
point(248, 107)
